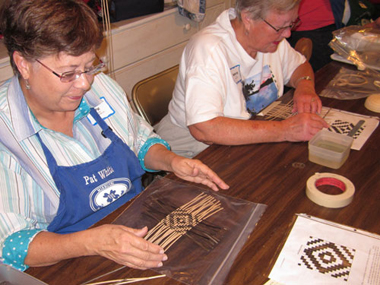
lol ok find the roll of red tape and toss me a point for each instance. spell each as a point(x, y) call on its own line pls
point(327, 200)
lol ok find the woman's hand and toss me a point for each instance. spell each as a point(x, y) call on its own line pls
point(306, 100)
point(195, 171)
point(159, 158)
point(121, 244)
point(375, 24)
point(303, 127)
point(126, 246)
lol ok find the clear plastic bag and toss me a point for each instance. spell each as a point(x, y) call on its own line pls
point(358, 45)
point(204, 255)
point(351, 84)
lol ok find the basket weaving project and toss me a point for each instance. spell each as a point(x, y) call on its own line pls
point(185, 220)
point(201, 230)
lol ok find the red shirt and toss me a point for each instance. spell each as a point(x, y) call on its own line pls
point(315, 14)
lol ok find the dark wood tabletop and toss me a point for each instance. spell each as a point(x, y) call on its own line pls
point(273, 174)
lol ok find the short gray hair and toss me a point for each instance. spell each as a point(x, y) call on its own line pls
point(259, 8)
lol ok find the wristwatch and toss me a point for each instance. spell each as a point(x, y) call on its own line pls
point(303, 78)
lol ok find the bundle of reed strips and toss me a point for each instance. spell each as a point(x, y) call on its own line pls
point(279, 111)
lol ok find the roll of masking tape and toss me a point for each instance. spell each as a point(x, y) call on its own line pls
point(327, 200)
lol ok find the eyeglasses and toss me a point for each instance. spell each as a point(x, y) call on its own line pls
point(278, 30)
point(73, 75)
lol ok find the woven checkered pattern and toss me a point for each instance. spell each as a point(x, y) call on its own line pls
point(181, 221)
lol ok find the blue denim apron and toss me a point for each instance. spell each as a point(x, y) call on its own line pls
point(92, 190)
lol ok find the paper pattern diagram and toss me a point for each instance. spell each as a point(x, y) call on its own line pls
point(341, 122)
point(327, 258)
point(344, 127)
point(321, 252)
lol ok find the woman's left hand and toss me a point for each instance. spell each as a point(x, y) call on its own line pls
point(306, 101)
point(194, 170)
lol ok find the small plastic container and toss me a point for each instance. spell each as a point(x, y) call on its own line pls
point(329, 149)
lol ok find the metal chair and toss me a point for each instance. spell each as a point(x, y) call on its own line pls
point(151, 96)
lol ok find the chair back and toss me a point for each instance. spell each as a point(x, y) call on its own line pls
point(305, 47)
point(151, 96)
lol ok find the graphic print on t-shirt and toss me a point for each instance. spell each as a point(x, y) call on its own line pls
point(259, 91)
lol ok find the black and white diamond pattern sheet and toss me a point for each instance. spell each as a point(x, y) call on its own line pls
point(327, 258)
point(344, 127)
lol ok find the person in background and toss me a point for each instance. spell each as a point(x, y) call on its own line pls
point(375, 24)
point(320, 18)
point(234, 68)
point(71, 149)
point(317, 23)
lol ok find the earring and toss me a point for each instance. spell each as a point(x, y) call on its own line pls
point(27, 84)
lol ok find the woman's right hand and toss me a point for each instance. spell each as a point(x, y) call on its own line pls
point(375, 24)
point(303, 127)
point(126, 246)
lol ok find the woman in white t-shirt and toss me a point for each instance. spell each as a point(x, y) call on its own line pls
point(234, 68)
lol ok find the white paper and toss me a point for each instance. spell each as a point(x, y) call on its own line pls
point(341, 122)
point(322, 252)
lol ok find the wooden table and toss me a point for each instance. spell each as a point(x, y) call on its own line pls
point(268, 174)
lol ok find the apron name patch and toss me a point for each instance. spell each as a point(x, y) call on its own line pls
point(104, 173)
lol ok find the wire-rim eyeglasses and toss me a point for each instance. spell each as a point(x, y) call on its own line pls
point(278, 30)
point(70, 76)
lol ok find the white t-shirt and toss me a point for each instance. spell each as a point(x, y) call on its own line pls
point(214, 70)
